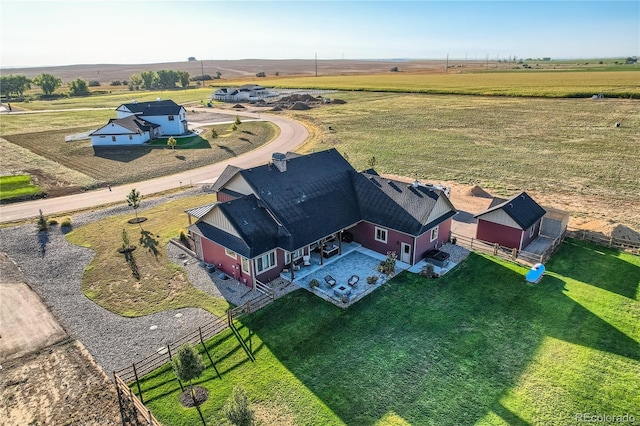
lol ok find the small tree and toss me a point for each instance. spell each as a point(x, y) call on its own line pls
point(214, 134)
point(133, 200)
point(234, 127)
point(188, 365)
point(42, 223)
point(237, 409)
point(79, 87)
point(172, 142)
point(261, 74)
point(237, 120)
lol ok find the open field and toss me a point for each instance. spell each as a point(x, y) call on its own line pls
point(130, 164)
point(553, 84)
point(477, 346)
point(161, 285)
point(567, 151)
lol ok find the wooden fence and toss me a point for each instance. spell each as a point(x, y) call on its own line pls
point(132, 399)
point(603, 240)
point(519, 256)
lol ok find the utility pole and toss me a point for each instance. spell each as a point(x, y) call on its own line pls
point(446, 69)
point(202, 68)
point(316, 64)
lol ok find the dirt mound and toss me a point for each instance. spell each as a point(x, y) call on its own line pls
point(276, 109)
point(300, 106)
point(476, 191)
point(299, 98)
point(621, 232)
point(237, 106)
point(338, 102)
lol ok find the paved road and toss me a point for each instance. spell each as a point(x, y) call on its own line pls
point(291, 135)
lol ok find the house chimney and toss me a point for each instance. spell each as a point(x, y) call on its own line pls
point(280, 161)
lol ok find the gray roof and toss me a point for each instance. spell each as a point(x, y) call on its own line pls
point(521, 208)
point(132, 123)
point(198, 212)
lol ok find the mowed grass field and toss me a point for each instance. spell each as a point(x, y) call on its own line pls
point(477, 346)
point(109, 280)
point(556, 84)
point(561, 146)
point(17, 186)
point(130, 164)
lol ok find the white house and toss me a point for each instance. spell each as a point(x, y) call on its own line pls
point(140, 122)
point(247, 92)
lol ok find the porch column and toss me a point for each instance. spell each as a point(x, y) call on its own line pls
point(339, 243)
point(291, 266)
point(321, 254)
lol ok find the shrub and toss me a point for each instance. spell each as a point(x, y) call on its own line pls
point(214, 134)
point(237, 120)
point(237, 409)
point(52, 222)
point(183, 236)
point(66, 222)
point(261, 74)
point(394, 69)
point(94, 83)
point(234, 127)
point(314, 283)
point(115, 83)
point(372, 279)
point(42, 222)
point(388, 266)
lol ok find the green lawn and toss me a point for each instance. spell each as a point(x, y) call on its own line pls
point(478, 346)
point(17, 186)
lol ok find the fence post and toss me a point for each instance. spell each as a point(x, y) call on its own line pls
point(119, 391)
point(135, 410)
point(137, 382)
point(471, 243)
point(150, 417)
point(514, 254)
point(495, 249)
point(248, 307)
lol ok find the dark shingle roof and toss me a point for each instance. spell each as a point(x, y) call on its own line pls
point(521, 208)
point(153, 108)
point(397, 205)
point(313, 198)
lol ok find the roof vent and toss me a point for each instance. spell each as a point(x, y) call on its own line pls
point(522, 196)
point(134, 101)
point(280, 161)
point(510, 206)
point(245, 222)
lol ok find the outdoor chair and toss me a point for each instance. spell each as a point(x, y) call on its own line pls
point(329, 280)
point(353, 280)
point(306, 260)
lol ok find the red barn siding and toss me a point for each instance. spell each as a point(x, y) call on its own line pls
point(495, 233)
point(424, 243)
point(364, 233)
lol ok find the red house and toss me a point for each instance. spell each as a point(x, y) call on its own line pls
point(266, 218)
point(512, 223)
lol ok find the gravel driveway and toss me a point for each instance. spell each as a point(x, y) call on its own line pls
point(53, 268)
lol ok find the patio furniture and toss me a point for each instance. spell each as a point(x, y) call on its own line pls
point(306, 260)
point(329, 280)
point(330, 250)
point(342, 290)
point(353, 280)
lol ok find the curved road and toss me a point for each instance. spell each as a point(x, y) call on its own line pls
point(291, 135)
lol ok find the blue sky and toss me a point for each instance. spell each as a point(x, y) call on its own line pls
point(136, 31)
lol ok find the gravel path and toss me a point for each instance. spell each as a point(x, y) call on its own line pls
point(53, 268)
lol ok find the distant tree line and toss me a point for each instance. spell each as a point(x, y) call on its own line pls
point(163, 79)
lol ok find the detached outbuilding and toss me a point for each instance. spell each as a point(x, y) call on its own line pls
point(512, 223)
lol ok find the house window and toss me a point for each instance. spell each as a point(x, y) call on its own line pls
point(230, 253)
point(531, 232)
point(171, 118)
point(381, 235)
point(245, 265)
point(296, 255)
point(113, 138)
point(266, 262)
point(130, 137)
point(102, 137)
point(434, 233)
